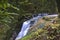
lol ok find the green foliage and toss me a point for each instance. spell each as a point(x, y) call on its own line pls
point(6, 18)
point(12, 10)
point(46, 33)
point(33, 34)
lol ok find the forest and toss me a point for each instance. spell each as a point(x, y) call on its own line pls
point(14, 12)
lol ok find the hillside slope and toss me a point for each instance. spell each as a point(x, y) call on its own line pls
point(51, 31)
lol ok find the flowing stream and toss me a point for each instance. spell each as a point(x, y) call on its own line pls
point(24, 30)
point(27, 24)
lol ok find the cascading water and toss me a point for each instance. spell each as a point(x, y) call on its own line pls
point(24, 30)
point(26, 26)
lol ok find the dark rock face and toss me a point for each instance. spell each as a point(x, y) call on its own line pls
point(13, 36)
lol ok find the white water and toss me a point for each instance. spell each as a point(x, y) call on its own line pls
point(26, 26)
point(24, 30)
point(55, 15)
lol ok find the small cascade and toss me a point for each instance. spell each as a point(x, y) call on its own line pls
point(24, 30)
point(26, 25)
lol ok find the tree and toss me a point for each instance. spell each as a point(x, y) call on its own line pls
point(58, 5)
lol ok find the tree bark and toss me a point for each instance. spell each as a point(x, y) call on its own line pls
point(58, 6)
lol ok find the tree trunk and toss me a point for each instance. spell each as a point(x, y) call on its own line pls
point(58, 5)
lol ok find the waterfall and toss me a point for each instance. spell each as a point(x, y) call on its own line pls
point(24, 30)
point(26, 25)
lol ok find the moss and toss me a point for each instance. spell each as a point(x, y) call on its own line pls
point(50, 32)
point(34, 34)
point(3, 31)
